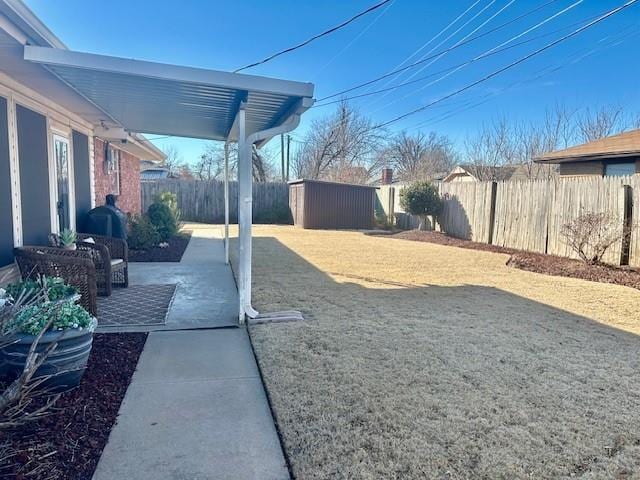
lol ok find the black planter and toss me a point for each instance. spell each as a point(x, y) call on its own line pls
point(66, 363)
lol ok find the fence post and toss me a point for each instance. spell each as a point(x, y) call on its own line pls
point(627, 224)
point(492, 211)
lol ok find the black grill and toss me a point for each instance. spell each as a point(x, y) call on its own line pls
point(106, 220)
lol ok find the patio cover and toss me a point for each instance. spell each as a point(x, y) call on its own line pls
point(148, 97)
point(156, 98)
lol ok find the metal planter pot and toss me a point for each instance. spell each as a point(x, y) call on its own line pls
point(65, 364)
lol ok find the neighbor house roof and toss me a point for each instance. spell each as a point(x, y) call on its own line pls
point(621, 145)
point(482, 172)
point(152, 174)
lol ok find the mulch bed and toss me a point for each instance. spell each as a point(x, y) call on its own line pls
point(68, 443)
point(536, 262)
point(173, 253)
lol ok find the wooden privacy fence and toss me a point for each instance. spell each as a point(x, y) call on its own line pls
point(203, 201)
point(529, 215)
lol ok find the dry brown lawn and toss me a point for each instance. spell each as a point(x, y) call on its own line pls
point(427, 361)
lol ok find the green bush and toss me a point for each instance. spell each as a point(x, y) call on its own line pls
point(421, 199)
point(171, 201)
point(163, 219)
point(142, 233)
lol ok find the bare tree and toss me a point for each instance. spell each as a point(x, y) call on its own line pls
point(211, 163)
point(493, 148)
point(532, 140)
point(596, 124)
point(418, 157)
point(173, 160)
point(338, 147)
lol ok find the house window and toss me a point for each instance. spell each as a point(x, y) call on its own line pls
point(619, 169)
point(113, 170)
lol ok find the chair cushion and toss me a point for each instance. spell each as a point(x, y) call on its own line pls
point(89, 240)
point(116, 261)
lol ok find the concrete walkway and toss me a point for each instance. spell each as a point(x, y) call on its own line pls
point(196, 407)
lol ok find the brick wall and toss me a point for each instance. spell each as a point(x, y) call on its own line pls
point(129, 198)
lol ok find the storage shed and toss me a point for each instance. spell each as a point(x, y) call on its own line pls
point(331, 205)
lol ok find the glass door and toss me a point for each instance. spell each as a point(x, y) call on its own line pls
point(61, 153)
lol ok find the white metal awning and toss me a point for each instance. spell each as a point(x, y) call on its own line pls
point(156, 98)
point(148, 97)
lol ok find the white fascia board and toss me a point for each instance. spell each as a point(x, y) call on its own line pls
point(237, 81)
point(24, 18)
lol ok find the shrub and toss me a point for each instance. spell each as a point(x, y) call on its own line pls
point(171, 201)
point(163, 219)
point(592, 234)
point(421, 199)
point(142, 233)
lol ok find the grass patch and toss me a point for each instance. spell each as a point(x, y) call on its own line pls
point(428, 361)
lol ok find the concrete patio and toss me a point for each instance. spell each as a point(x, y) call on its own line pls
point(196, 407)
point(206, 294)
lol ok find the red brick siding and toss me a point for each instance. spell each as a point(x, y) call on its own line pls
point(129, 198)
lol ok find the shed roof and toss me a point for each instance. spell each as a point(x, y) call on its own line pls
point(327, 182)
point(620, 145)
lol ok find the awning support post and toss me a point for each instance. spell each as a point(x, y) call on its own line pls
point(226, 202)
point(245, 207)
point(245, 204)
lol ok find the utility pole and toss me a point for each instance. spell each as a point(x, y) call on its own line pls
point(282, 155)
point(288, 154)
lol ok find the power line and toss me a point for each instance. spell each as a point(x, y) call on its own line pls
point(432, 39)
point(452, 35)
point(521, 34)
point(355, 39)
point(469, 104)
point(454, 67)
point(419, 62)
point(159, 138)
point(511, 65)
point(315, 37)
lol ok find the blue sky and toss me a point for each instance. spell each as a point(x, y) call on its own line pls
point(600, 66)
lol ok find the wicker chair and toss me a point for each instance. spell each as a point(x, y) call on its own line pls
point(73, 266)
point(119, 257)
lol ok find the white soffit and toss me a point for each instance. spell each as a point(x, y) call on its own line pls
point(149, 97)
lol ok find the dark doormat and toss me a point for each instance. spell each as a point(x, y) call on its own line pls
point(137, 305)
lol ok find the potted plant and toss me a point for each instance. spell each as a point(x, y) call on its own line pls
point(53, 325)
point(68, 239)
